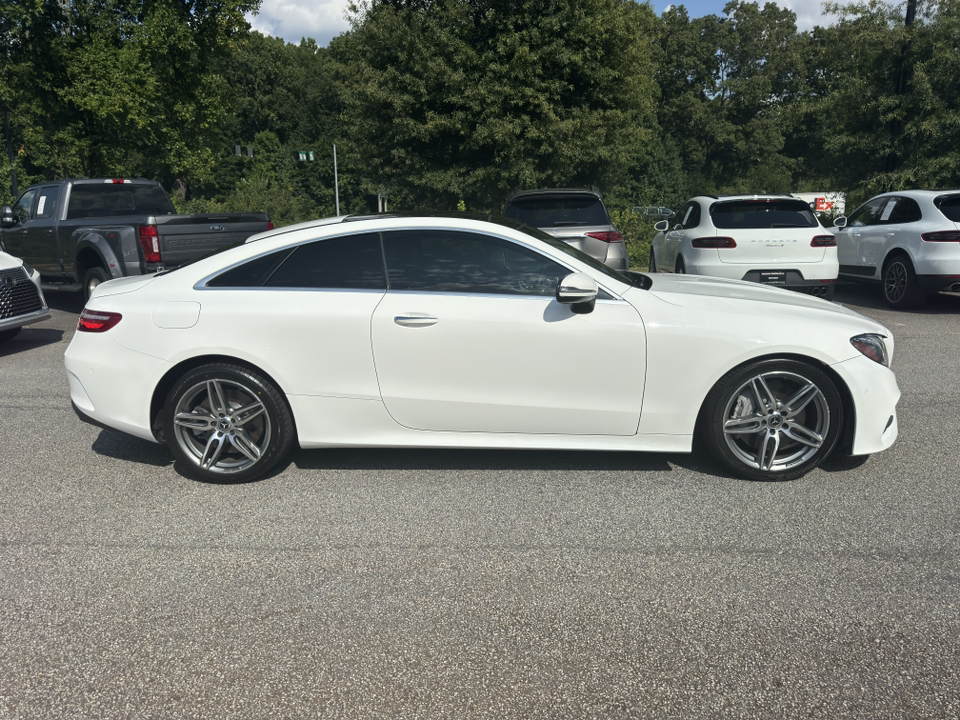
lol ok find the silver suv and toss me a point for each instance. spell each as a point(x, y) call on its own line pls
point(577, 217)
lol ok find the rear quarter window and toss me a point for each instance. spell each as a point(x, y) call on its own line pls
point(762, 214)
point(949, 205)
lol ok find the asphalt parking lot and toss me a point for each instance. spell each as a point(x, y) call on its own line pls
point(494, 584)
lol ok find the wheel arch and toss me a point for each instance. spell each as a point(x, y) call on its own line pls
point(172, 375)
point(849, 419)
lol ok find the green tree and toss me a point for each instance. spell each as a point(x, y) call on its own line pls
point(454, 100)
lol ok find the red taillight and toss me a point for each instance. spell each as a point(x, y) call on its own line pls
point(611, 237)
point(714, 242)
point(97, 320)
point(945, 236)
point(269, 224)
point(823, 241)
point(149, 238)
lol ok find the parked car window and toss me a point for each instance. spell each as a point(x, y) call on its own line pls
point(904, 210)
point(762, 214)
point(868, 214)
point(350, 261)
point(583, 209)
point(691, 216)
point(252, 273)
point(47, 203)
point(449, 261)
point(109, 199)
point(23, 210)
point(949, 205)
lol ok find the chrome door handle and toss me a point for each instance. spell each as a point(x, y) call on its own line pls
point(415, 320)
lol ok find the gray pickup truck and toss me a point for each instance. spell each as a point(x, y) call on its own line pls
point(79, 233)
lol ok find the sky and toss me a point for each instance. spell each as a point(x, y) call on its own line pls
point(324, 19)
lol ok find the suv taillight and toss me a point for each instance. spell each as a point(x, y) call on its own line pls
point(611, 237)
point(97, 320)
point(714, 242)
point(945, 236)
point(823, 241)
point(149, 238)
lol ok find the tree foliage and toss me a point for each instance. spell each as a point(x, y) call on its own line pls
point(441, 104)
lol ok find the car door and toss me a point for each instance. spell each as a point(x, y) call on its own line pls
point(305, 314)
point(34, 239)
point(673, 239)
point(883, 229)
point(470, 338)
point(849, 238)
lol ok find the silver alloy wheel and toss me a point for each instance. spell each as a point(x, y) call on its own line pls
point(776, 421)
point(895, 281)
point(222, 425)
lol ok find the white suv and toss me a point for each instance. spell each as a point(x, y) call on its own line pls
point(768, 239)
point(909, 241)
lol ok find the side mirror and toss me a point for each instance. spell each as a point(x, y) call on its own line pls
point(6, 217)
point(840, 222)
point(662, 226)
point(578, 290)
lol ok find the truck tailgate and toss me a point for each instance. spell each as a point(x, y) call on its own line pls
point(186, 237)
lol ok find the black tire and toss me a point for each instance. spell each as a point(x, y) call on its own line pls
point(772, 419)
point(681, 268)
point(653, 262)
point(93, 277)
point(227, 423)
point(901, 290)
point(9, 334)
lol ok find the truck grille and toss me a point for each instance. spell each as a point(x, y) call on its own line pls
point(18, 296)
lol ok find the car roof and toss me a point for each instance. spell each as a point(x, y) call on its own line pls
point(749, 196)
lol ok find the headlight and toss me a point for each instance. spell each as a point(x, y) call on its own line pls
point(27, 268)
point(873, 347)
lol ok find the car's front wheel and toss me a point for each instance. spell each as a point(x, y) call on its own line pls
point(227, 423)
point(901, 289)
point(772, 419)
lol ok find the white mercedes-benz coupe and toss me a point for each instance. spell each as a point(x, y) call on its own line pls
point(443, 332)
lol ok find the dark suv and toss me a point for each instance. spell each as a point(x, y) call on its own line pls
point(578, 217)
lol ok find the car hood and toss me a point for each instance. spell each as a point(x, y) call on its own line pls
point(700, 291)
point(122, 285)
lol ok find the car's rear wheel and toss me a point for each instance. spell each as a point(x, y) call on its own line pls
point(227, 423)
point(681, 268)
point(901, 289)
point(772, 419)
point(653, 262)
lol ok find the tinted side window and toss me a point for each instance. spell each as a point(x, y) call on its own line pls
point(252, 273)
point(24, 206)
point(47, 203)
point(868, 214)
point(949, 205)
point(690, 216)
point(352, 261)
point(905, 210)
point(449, 261)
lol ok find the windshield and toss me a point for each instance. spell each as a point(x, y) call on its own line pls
point(90, 200)
point(762, 214)
point(555, 211)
